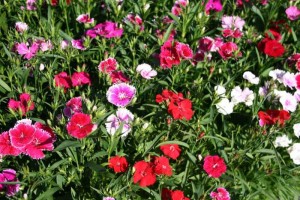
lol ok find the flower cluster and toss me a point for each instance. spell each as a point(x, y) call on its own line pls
point(63, 80)
point(106, 29)
point(178, 106)
point(27, 138)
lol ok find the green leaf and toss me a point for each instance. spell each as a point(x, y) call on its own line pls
point(4, 85)
point(174, 142)
point(48, 194)
point(167, 33)
point(66, 144)
point(257, 11)
point(58, 163)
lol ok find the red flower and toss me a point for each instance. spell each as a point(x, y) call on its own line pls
point(172, 195)
point(63, 80)
point(118, 164)
point(294, 60)
point(5, 146)
point(107, 66)
point(80, 125)
point(162, 166)
point(271, 117)
point(184, 50)
point(169, 56)
point(181, 109)
point(298, 80)
point(171, 150)
point(214, 166)
point(228, 50)
point(144, 174)
point(80, 78)
point(273, 48)
point(118, 77)
point(273, 35)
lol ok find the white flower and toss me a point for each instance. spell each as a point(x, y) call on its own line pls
point(289, 80)
point(296, 128)
point(220, 90)
point(249, 76)
point(289, 102)
point(146, 71)
point(279, 93)
point(277, 74)
point(294, 152)
point(21, 27)
point(42, 67)
point(297, 95)
point(225, 107)
point(263, 91)
point(282, 141)
point(242, 96)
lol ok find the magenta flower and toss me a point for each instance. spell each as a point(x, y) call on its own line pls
point(120, 94)
point(214, 5)
point(78, 44)
point(9, 175)
point(31, 5)
point(26, 52)
point(292, 13)
point(108, 29)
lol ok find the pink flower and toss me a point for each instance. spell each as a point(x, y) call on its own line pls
point(118, 77)
point(9, 175)
point(31, 5)
point(74, 105)
point(294, 61)
point(6, 147)
point(184, 50)
point(232, 22)
point(214, 5)
point(27, 53)
point(80, 125)
point(222, 194)
point(21, 135)
point(91, 33)
point(228, 50)
point(120, 94)
point(45, 46)
point(292, 13)
point(146, 71)
point(21, 27)
point(85, 18)
point(108, 29)
point(78, 44)
point(24, 105)
point(214, 166)
point(206, 44)
point(108, 65)
point(63, 80)
point(80, 78)
point(64, 44)
point(135, 20)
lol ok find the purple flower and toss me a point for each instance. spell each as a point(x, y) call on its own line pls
point(120, 94)
point(292, 13)
point(214, 5)
point(108, 30)
point(9, 175)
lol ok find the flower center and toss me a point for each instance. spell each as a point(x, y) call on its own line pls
point(122, 96)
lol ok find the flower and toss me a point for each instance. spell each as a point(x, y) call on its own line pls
point(9, 175)
point(249, 76)
point(273, 48)
point(85, 18)
point(220, 90)
point(27, 52)
point(31, 5)
point(221, 194)
point(108, 29)
point(74, 105)
point(171, 150)
point(292, 13)
point(181, 109)
point(108, 198)
point(162, 166)
point(64, 44)
point(118, 77)
point(21, 27)
point(294, 152)
point(214, 166)
point(289, 79)
point(172, 195)
point(144, 173)
point(271, 117)
point(6, 147)
point(22, 135)
point(214, 5)
point(118, 164)
point(146, 71)
point(46, 45)
point(78, 44)
point(228, 50)
point(294, 61)
point(123, 117)
point(63, 80)
point(120, 94)
point(288, 102)
point(108, 65)
point(80, 125)
point(242, 96)
point(80, 78)
point(282, 141)
point(232, 22)
point(296, 129)
point(225, 107)
point(24, 105)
